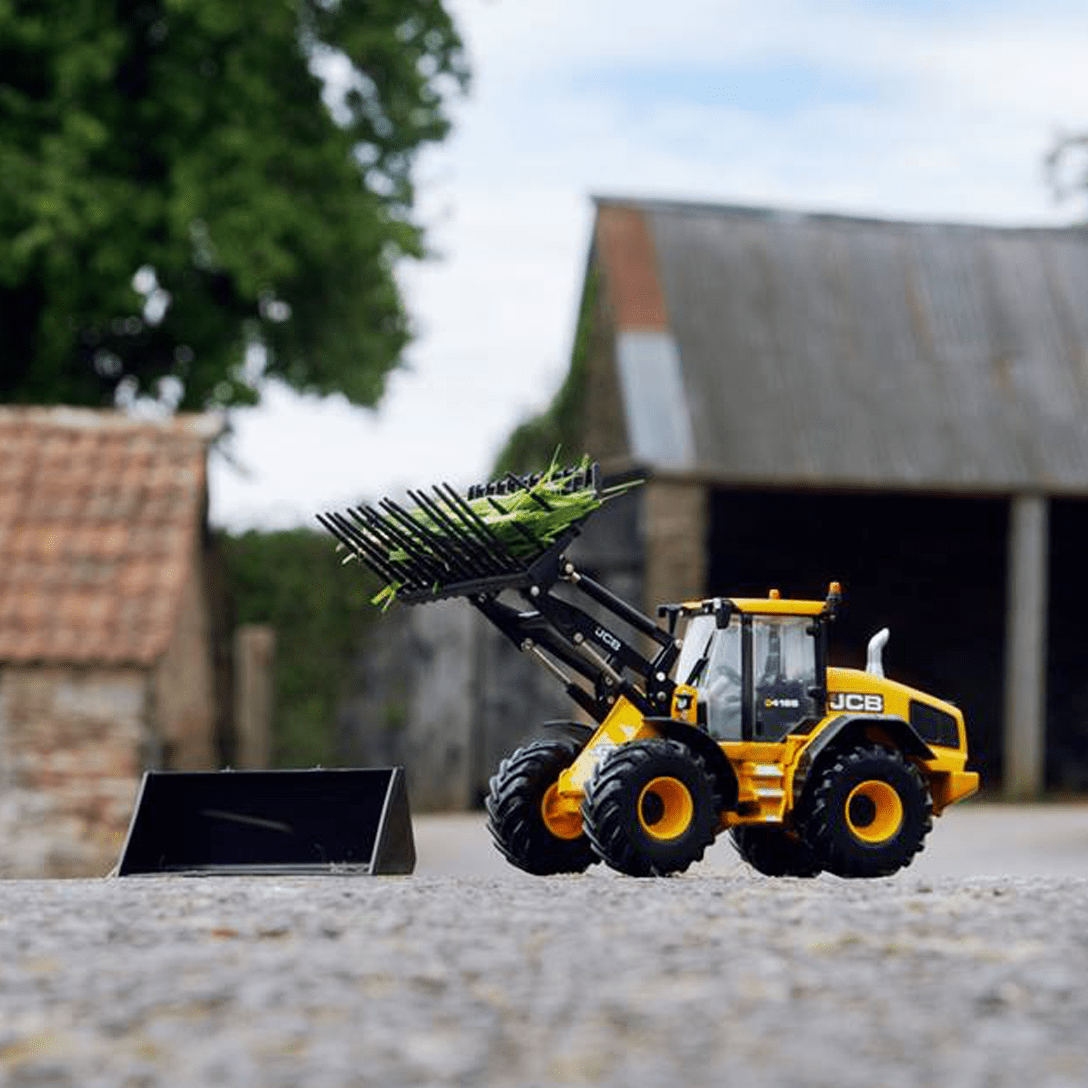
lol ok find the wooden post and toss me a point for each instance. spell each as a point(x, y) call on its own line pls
point(1025, 648)
point(254, 653)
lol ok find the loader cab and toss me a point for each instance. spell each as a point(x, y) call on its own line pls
point(757, 667)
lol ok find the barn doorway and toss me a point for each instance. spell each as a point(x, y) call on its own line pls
point(1067, 649)
point(931, 568)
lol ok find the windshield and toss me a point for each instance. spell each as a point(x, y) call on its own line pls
point(710, 660)
point(700, 631)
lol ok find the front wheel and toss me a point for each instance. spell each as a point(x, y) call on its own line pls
point(530, 829)
point(870, 813)
point(650, 808)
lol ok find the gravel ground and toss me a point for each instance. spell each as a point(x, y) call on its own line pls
point(717, 978)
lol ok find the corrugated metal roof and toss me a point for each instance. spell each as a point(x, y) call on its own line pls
point(98, 518)
point(655, 403)
point(824, 350)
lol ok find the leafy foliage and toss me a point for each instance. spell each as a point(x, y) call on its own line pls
point(183, 179)
point(294, 581)
point(1066, 166)
point(560, 427)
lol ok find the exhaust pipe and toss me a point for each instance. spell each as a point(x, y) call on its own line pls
point(874, 655)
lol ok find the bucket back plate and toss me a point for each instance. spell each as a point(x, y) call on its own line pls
point(252, 822)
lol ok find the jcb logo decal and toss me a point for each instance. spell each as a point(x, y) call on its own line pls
point(856, 702)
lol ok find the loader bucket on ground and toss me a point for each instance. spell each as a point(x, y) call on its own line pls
point(270, 822)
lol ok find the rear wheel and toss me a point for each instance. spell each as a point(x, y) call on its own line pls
point(869, 815)
point(774, 851)
point(650, 808)
point(529, 826)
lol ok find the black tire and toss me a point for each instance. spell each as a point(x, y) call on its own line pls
point(774, 851)
point(515, 811)
point(650, 808)
point(868, 813)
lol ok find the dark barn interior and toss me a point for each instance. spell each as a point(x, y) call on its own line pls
point(1067, 648)
point(930, 568)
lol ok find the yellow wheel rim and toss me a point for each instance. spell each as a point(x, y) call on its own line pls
point(665, 808)
point(874, 811)
point(558, 817)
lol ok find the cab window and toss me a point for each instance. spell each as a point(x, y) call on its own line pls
point(783, 673)
point(710, 661)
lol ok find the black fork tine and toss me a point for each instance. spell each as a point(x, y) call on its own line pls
point(373, 524)
point(481, 528)
point(438, 546)
point(358, 543)
point(423, 567)
point(442, 542)
point(478, 555)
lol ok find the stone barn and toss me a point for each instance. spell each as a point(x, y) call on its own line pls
point(106, 627)
point(899, 406)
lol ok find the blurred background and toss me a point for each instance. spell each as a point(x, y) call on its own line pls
point(817, 271)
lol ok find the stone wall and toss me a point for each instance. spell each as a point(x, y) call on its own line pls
point(437, 690)
point(73, 743)
point(675, 541)
point(409, 702)
point(184, 685)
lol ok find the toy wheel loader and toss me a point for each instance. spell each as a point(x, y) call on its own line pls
point(732, 721)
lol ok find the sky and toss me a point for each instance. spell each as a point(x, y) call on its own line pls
point(906, 109)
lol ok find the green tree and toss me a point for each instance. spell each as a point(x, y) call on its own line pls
point(181, 180)
point(1067, 166)
point(295, 581)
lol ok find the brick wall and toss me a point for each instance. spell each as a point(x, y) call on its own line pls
point(72, 747)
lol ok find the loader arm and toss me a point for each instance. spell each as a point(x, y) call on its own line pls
point(562, 633)
point(510, 537)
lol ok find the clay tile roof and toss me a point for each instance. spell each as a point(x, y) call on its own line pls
point(98, 515)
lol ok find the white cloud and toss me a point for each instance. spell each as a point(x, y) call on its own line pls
point(942, 115)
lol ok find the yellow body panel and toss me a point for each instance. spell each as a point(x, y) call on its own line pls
point(765, 770)
point(764, 779)
point(624, 723)
point(896, 697)
point(949, 780)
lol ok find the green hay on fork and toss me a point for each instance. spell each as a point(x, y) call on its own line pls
point(525, 520)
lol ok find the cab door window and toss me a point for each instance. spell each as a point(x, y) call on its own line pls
point(783, 673)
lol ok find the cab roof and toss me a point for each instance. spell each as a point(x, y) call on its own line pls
point(771, 605)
